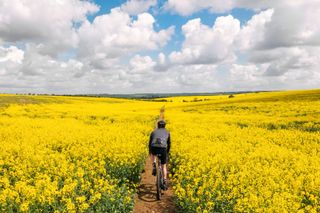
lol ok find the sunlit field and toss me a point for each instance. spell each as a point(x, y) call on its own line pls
point(254, 153)
point(257, 152)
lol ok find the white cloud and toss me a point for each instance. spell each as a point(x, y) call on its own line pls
point(254, 31)
point(141, 64)
point(47, 22)
point(31, 71)
point(11, 53)
point(99, 47)
point(285, 60)
point(115, 34)
point(205, 45)
point(162, 59)
point(191, 6)
point(10, 60)
point(278, 48)
point(135, 7)
point(36, 65)
point(292, 27)
point(284, 40)
point(243, 73)
point(162, 63)
point(281, 68)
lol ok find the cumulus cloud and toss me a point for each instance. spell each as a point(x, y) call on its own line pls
point(141, 64)
point(254, 31)
point(191, 6)
point(280, 24)
point(162, 64)
point(207, 45)
point(292, 27)
point(10, 60)
point(125, 51)
point(47, 22)
point(285, 60)
point(116, 34)
point(135, 7)
point(29, 70)
point(243, 72)
point(277, 46)
point(97, 50)
point(11, 53)
point(284, 40)
point(280, 68)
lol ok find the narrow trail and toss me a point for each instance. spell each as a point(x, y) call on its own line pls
point(146, 200)
point(146, 197)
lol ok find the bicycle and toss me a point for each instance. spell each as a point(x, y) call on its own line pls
point(159, 177)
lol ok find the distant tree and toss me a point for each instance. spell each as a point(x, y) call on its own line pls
point(231, 96)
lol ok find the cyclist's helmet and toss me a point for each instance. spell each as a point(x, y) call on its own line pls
point(161, 124)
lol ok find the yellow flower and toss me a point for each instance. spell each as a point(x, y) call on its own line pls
point(256, 152)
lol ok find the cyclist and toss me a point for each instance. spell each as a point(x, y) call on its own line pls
point(159, 143)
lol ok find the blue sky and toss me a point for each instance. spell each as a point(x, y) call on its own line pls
point(140, 46)
point(165, 19)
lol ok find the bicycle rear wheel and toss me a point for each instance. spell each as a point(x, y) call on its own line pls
point(158, 180)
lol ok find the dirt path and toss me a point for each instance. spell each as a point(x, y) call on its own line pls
point(146, 201)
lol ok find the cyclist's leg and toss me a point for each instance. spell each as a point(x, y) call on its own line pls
point(164, 162)
point(153, 158)
point(164, 171)
point(164, 167)
point(153, 153)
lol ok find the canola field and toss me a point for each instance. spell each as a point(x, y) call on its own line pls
point(257, 152)
point(70, 154)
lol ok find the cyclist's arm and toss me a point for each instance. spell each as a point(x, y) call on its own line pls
point(169, 144)
point(150, 140)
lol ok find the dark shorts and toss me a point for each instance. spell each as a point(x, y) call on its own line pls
point(162, 152)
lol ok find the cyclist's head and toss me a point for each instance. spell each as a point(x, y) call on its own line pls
point(161, 124)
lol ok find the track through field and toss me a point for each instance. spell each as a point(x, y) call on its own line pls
point(146, 200)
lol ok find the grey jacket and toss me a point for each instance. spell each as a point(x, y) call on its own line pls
point(160, 137)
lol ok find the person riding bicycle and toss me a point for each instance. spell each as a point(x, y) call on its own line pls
point(159, 143)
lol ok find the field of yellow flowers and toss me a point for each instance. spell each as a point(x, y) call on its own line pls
point(70, 154)
point(257, 152)
point(251, 153)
